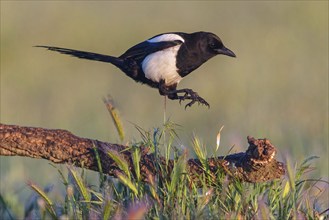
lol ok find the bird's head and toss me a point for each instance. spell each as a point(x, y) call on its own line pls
point(214, 45)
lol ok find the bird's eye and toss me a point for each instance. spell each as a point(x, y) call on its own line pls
point(215, 44)
point(212, 45)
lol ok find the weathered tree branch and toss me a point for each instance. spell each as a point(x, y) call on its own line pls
point(257, 164)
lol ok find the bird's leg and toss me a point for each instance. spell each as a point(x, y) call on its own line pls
point(181, 94)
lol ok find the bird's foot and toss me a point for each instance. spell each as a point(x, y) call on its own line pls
point(194, 97)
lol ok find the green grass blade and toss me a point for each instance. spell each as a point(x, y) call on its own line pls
point(120, 161)
point(126, 181)
point(136, 156)
point(99, 165)
point(43, 195)
point(178, 170)
point(115, 116)
point(80, 185)
point(107, 210)
point(200, 152)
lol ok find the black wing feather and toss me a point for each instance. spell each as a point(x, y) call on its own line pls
point(141, 50)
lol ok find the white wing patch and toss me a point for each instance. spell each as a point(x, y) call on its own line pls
point(161, 65)
point(166, 37)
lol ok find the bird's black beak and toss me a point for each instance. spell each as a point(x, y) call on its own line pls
point(226, 51)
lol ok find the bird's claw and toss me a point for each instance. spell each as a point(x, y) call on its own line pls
point(194, 97)
point(199, 100)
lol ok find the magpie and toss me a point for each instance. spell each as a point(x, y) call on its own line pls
point(163, 60)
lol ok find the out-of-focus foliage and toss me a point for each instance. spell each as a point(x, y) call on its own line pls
point(277, 87)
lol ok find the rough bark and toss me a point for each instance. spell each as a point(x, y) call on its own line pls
point(257, 164)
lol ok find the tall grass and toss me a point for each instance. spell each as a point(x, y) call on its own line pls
point(173, 194)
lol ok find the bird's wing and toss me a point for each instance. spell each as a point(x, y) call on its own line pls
point(141, 50)
point(85, 55)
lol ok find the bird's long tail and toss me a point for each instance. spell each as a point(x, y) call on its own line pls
point(87, 55)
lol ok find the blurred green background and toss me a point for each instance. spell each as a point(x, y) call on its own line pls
point(277, 87)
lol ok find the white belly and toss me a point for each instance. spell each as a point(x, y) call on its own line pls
point(161, 65)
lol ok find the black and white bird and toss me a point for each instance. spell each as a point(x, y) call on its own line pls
point(163, 60)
